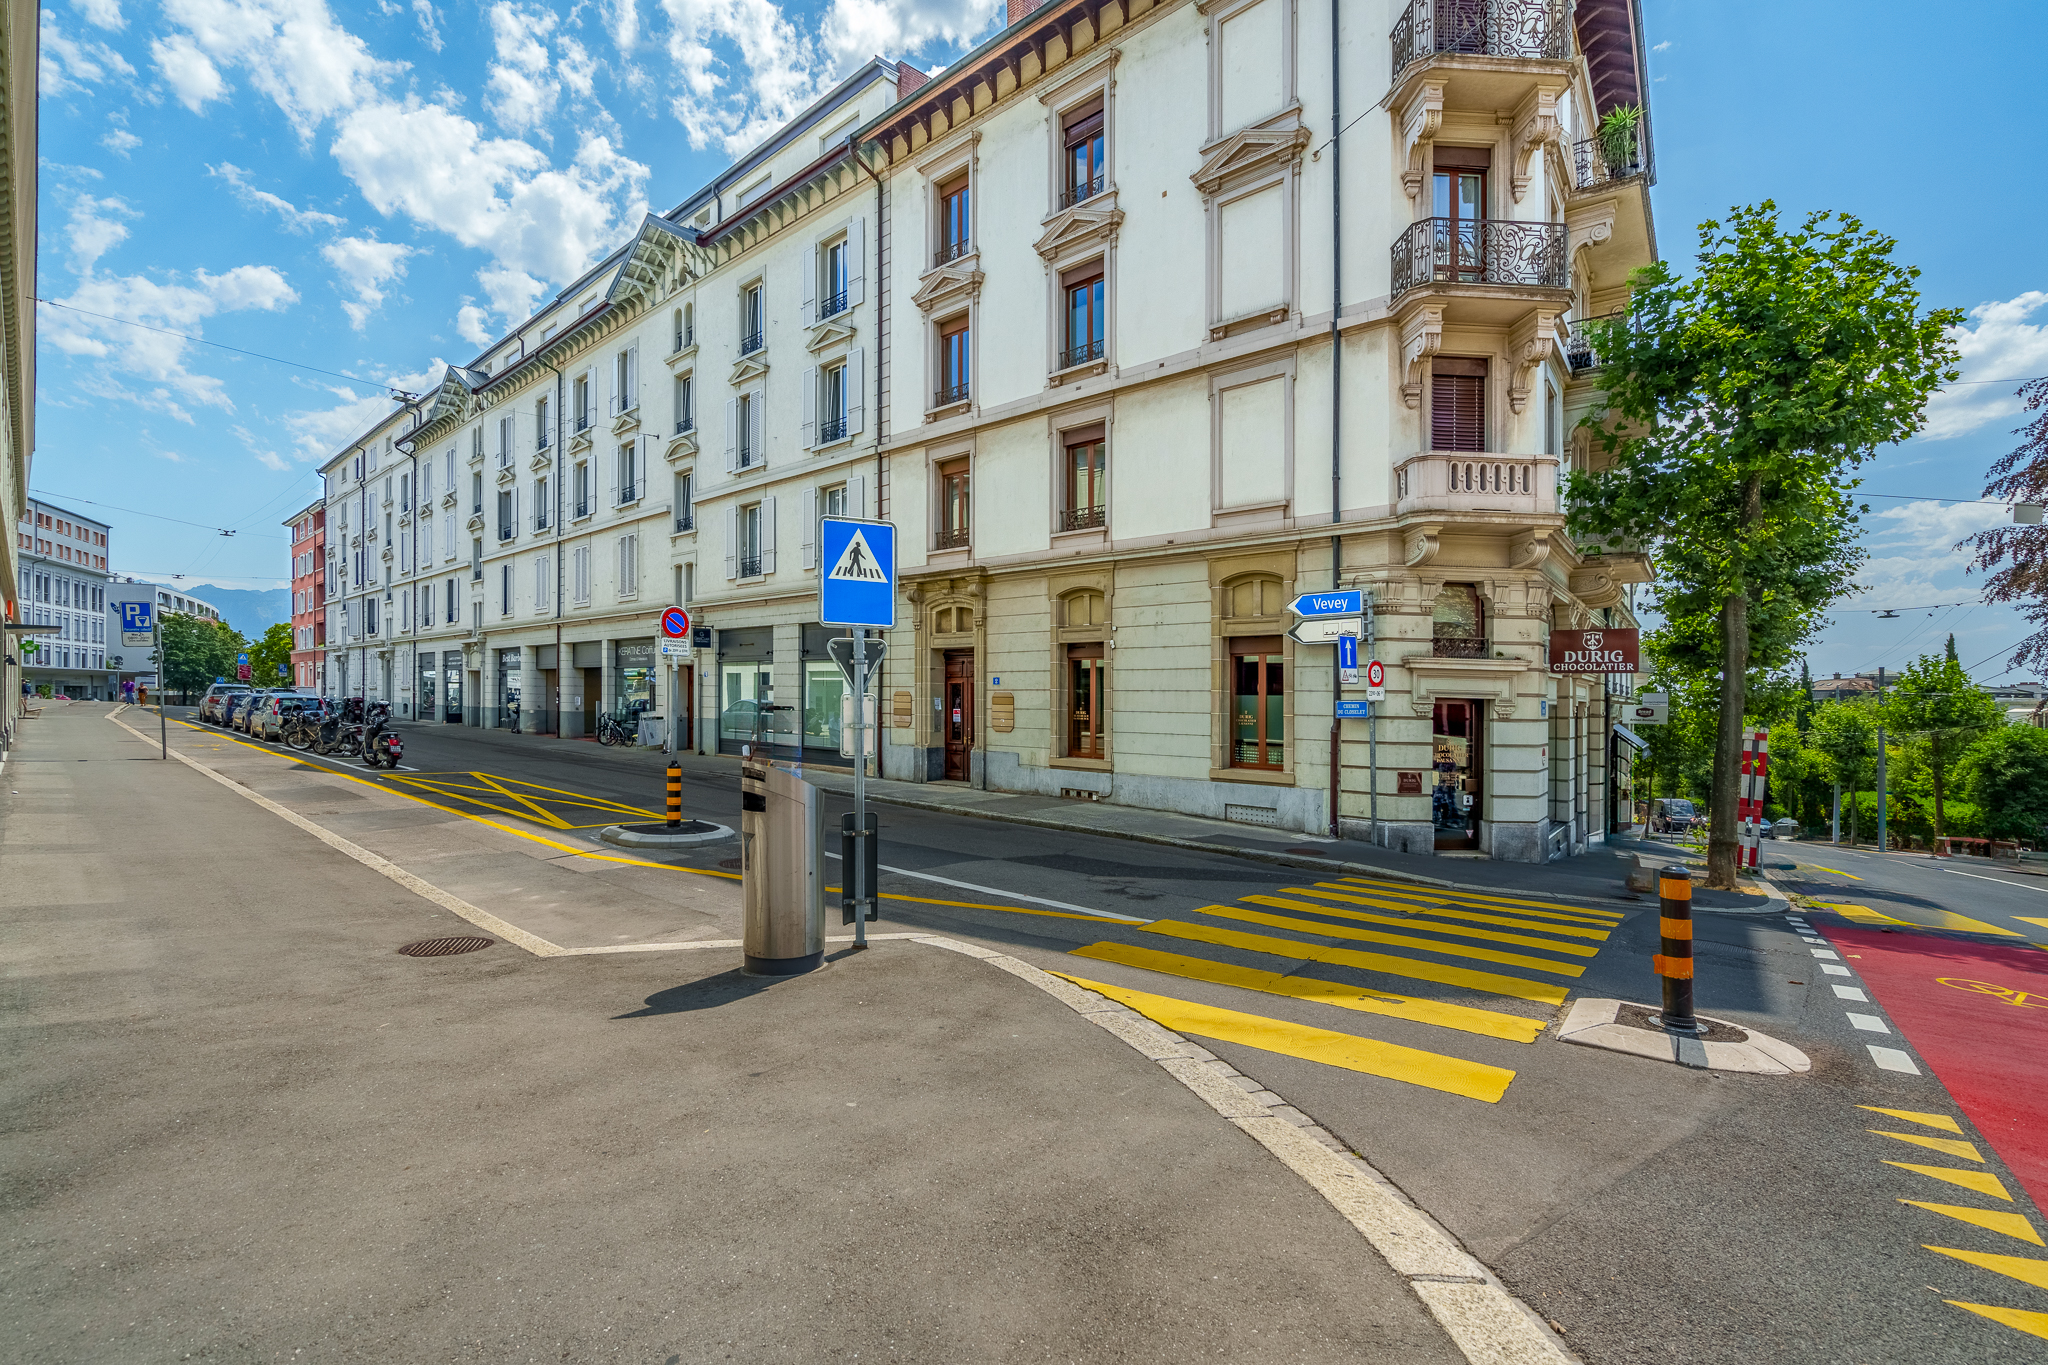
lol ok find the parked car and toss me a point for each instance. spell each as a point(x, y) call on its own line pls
point(1673, 815)
point(232, 709)
point(248, 709)
point(269, 719)
point(1786, 828)
point(216, 697)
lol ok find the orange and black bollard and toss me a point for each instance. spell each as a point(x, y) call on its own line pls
point(1674, 964)
point(675, 795)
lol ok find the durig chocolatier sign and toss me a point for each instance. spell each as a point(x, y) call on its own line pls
point(1594, 651)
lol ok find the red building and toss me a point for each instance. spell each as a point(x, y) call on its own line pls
point(309, 594)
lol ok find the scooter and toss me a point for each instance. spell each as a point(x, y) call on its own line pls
point(376, 743)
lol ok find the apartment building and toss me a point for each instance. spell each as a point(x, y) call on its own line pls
point(61, 578)
point(19, 65)
point(1154, 369)
point(308, 528)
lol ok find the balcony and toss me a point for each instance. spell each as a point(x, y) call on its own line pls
point(627, 493)
point(1578, 347)
point(1480, 251)
point(582, 423)
point(540, 520)
point(955, 539)
point(1599, 161)
point(751, 342)
point(1530, 30)
point(685, 425)
point(685, 521)
point(750, 566)
point(542, 443)
point(1084, 518)
point(1083, 192)
point(1456, 481)
point(582, 508)
point(951, 251)
point(1085, 353)
point(623, 403)
point(1458, 647)
point(832, 305)
point(952, 393)
point(831, 429)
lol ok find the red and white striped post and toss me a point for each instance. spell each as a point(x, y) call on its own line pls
point(1749, 802)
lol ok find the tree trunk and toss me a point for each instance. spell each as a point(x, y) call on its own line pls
point(1721, 825)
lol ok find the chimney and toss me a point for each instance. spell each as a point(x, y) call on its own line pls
point(909, 78)
point(1020, 8)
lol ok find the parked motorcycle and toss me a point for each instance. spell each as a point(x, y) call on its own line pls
point(376, 741)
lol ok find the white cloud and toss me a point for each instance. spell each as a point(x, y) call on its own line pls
point(292, 50)
point(101, 13)
point(521, 93)
point(855, 30)
point(1912, 555)
point(473, 323)
point(96, 229)
point(511, 292)
point(193, 78)
point(577, 68)
point(156, 357)
point(430, 32)
point(295, 219)
point(265, 456)
point(1664, 46)
point(1997, 343)
point(320, 433)
point(120, 141)
point(69, 65)
point(366, 264)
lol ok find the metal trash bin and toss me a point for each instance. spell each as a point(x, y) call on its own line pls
point(782, 896)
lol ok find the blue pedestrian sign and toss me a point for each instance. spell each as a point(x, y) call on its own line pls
point(241, 659)
point(859, 587)
point(1353, 710)
point(1351, 603)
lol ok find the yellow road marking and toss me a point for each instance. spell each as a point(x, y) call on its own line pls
point(1386, 964)
point(1471, 898)
point(1422, 925)
point(1453, 1075)
point(2022, 1319)
point(2011, 1224)
point(2029, 919)
point(1329, 891)
point(1304, 926)
point(1850, 875)
point(1983, 1182)
point(1947, 1146)
point(1862, 914)
point(1489, 1023)
point(2027, 1269)
point(1941, 1121)
point(1945, 919)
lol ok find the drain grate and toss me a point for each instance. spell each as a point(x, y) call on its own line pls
point(729, 864)
point(446, 947)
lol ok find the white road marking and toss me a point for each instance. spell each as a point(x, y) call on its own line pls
point(1869, 1023)
point(1811, 939)
point(2000, 880)
point(1834, 971)
point(1012, 895)
point(1820, 952)
point(1850, 993)
point(1891, 1059)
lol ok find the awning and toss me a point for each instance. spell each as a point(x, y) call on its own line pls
point(1623, 732)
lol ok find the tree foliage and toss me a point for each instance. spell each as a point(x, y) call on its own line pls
point(2005, 774)
point(196, 651)
point(270, 658)
point(1740, 402)
point(2016, 557)
point(1935, 711)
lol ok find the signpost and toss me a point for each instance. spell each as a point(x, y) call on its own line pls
point(1326, 630)
point(676, 648)
point(858, 591)
point(1342, 617)
point(141, 629)
point(242, 670)
point(1351, 603)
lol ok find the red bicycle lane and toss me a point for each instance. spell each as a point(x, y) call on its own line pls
point(1977, 1013)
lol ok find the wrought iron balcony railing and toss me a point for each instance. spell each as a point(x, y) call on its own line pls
point(582, 507)
point(1480, 251)
point(1579, 352)
point(540, 520)
point(686, 521)
point(1083, 518)
point(1082, 191)
point(951, 251)
point(831, 429)
point(1458, 646)
point(750, 566)
point(625, 493)
point(686, 337)
point(832, 305)
point(583, 421)
point(1604, 160)
point(542, 442)
point(506, 530)
point(1481, 28)
point(1082, 354)
point(685, 425)
point(750, 343)
point(951, 539)
point(952, 393)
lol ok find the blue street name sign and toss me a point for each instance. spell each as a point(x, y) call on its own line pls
point(1353, 710)
point(1350, 603)
point(859, 587)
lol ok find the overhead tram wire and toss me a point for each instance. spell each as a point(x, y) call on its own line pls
point(222, 530)
point(220, 345)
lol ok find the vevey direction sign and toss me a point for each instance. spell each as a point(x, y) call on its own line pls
point(1601, 650)
point(1351, 603)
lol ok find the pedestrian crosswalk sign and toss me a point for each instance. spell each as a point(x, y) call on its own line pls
point(859, 586)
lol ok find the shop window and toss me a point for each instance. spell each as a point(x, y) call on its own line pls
point(1087, 700)
point(1258, 725)
point(1458, 624)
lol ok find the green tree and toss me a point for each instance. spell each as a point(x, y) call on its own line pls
point(1844, 735)
point(196, 651)
point(1937, 712)
point(2005, 775)
point(1740, 402)
point(2016, 557)
point(270, 658)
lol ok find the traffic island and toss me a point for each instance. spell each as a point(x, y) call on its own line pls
point(659, 835)
point(1619, 1026)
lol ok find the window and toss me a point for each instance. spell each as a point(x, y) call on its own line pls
point(682, 329)
point(685, 403)
point(954, 351)
point(832, 501)
point(579, 575)
point(954, 508)
point(404, 493)
point(427, 540)
point(1084, 168)
point(628, 489)
point(506, 517)
point(583, 489)
point(541, 424)
point(540, 504)
point(685, 509)
point(504, 442)
point(1457, 404)
point(832, 299)
point(476, 559)
point(369, 616)
point(832, 404)
point(1086, 468)
point(451, 469)
point(1087, 707)
point(504, 589)
point(743, 438)
point(625, 382)
point(953, 220)
point(1083, 290)
point(579, 400)
point(543, 582)
point(476, 495)
point(750, 319)
point(629, 566)
point(749, 550)
point(1458, 623)
point(1459, 205)
point(1258, 702)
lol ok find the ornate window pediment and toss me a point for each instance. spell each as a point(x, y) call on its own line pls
point(747, 370)
point(1247, 152)
point(831, 332)
point(946, 287)
point(1091, 222)
point(681, 445)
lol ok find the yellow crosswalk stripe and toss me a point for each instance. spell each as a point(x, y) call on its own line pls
point(1983, 1182)
point(1427, 926)
point(1465, 1018)
point(1303, 926)
point(1946, 1146)
point(2022, 1319)
point(1328, 891)
point(2027, 1269)
point(2011, 1224)
point(1409, 889)
point(1941, 1121)
point(1453, 1075)
point(1386, 964)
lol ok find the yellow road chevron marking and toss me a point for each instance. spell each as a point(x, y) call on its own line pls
point(2027, 1269)
point(1946, 1146)
point(1414, 969)
point(1983, 1182)
point(2021, 1319)
point(2011, 1224)
point(1427, 926)
point(1330, 891)
point(1303, 926)
point(1941, 1121)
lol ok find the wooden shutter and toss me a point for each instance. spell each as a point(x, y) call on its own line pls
point(810, 529)
point(856, 258)
point(852, 385)
point(810, 389)
point(1457, 403)
point(757, 408)
point(732, 541)
point(767, 535)
point(811, 289)
point(856, 495)
point(732, 436)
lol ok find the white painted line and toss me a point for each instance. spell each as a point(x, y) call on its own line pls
point(2000, 880)
point(1834, 971)
point(1820, 952)
point(1869, 1023)
point(1012, 895)
point(1850, 993)
point(1816, 940)
point(1891, 1059)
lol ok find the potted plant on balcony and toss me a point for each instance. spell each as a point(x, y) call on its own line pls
point(1620, 140)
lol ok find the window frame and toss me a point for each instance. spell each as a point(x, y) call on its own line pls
point(1073, 514)
point(1270, 651)
point(953, 489)
point(1070, 282)
point(951, 386)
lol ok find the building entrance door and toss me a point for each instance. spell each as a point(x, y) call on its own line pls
point(593, 693)
point(1456, 798)
point(451, 692)
point(957, 722)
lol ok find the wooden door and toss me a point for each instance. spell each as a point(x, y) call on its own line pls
point(958, 719)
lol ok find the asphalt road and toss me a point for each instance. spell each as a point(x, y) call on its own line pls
point(1650, 1211)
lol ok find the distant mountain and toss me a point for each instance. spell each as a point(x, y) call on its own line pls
point(247, 610)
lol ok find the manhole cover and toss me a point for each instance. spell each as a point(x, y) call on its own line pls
point(729, 864)
point(446, 947)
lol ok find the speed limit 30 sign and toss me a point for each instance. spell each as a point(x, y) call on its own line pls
point(1375, 681)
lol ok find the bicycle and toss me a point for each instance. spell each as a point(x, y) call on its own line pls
point(610, 730)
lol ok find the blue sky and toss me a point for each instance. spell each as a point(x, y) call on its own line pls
point(376, 189)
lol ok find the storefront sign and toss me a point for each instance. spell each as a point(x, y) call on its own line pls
point(1602, 650)
point(1410, 784)
point(1649, 708)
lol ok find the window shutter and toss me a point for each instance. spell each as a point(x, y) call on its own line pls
point(854, 390)
point(757, 411)
point(633, 561)
point(810, 408)
point(810, 529)
point(811, 289)
point(768, 535)
point(856, 262)
point(857, 495)
point(732, 542)
point(1458, 408)
point(732, 437)
point(633, 375)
